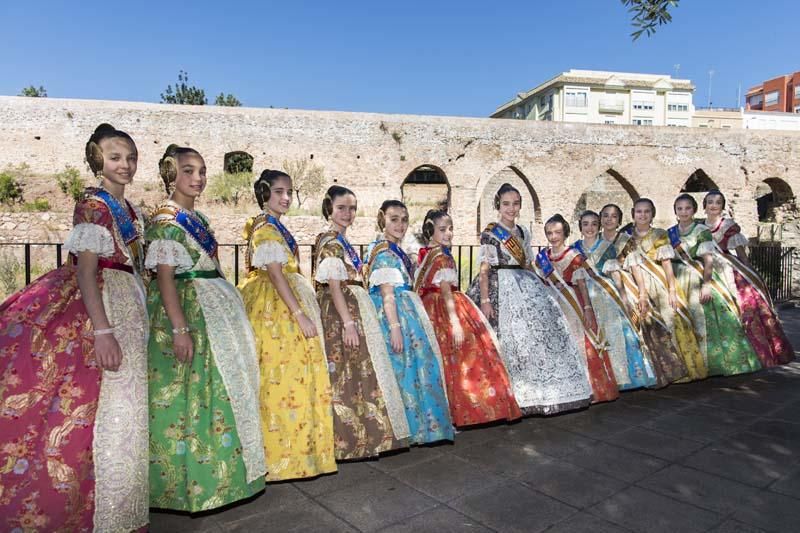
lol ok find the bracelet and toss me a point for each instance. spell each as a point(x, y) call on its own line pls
point(389, 297)
point(297, 312)
point(486, 300)
point(181, 331)
point(348, 323)
point(106, 331)
point(588, 308)
point(394, 325)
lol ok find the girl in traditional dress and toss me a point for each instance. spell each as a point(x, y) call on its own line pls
point(654, 336)
point(761, 323)
point(407, 331)
point(648, 254)
point(206, 449)
point(478, 386)
point(73, 354)
point(712, 305)
point(562, 267)
point(632, 367)
point(368, 412)
point(296, 415)
point(548, 373)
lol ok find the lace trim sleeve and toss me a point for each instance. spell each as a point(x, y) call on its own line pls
point(664, 252)
point(167, 252)
point(446, 275)
point(612, 265)
point(381, 276)
point(737, 240)
point(705, 248)
point(633, 259)
point(488, 254)
point(88, 237)
point(331, 268)
point(269, 252)
point(579, 274)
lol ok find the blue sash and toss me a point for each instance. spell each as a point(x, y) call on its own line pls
point(446, 251)
point(121, 214)
point(674, 236)
point(511, 243)
point(196, 228)
point(544, 263)
point(403, 257)
point(351, 252)
point(578, 246)
point(284, 233)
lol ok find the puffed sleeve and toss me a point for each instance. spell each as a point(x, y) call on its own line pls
point(611, 265)
point(579, 274)
point(166, 246)
point(268, 247)
point(705, 243)
point(735, 237)
point(331, 268)
point(633, 259)
point(664, 252)
point(92, 229)
point(385, 270)
point(488, 250)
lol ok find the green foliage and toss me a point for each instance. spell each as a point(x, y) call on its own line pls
point(230, 188)
point(184, 93)
point(648, 15)
point(227, 100)
point(308, 179)
point(10, 269)
point(70, 182)
point(236, 162)
point(10, 188)
point(38, 205)
point(34, 92)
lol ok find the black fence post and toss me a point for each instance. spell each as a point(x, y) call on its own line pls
point(27, 263)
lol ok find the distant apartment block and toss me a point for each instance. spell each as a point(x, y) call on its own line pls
point(599, 97)
point(780, 94)
point(738, 119)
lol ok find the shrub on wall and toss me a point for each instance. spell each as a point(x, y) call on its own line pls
point(230, 188)
point(70, 182)
point(10, 188)
point(38, 205)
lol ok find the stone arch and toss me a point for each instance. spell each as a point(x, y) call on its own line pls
point(774, 199)
point(610, 187)
point(237, 161)
point(698, 181)
point(510, 174)
point(426, 187)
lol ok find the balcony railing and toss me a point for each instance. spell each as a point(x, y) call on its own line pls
point(612, 106)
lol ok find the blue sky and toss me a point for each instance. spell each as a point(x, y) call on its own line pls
point(432, 57)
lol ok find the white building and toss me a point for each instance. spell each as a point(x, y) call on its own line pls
point(770, 120)
point(605, 98)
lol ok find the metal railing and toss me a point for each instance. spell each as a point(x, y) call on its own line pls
point(774, 263)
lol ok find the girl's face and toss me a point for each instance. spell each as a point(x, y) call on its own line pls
point(396, 219)
point(280, 196)
point(642, 214)
point(590, 226)
point(443, 231)
point(684, 210)
point(609, 219)
point(119, 160)
point(191, 180)
point(510, 205)
point(344, 209)
point(554, 233)
point(714, 205)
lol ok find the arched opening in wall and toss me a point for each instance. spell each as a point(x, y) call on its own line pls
point(236, 162)
point(610, 187)
point(426, 187)
point(774, 200)
point(531, 214)
point(697, 185)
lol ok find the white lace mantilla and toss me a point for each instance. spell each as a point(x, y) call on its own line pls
point(665, 252)
point(446, 275)
point(379, 355)
point(168, 252)
point(331, 268)
point(269, 252)
point(488, 254)
point(381, 276)
point(705, 248)
point(120, 444)
point(233, 346)
point(88, 237)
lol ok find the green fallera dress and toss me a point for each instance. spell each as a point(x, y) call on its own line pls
point(206, 448)
point(717, 326)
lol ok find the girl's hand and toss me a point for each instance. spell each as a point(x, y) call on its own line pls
point(705, 294)
point(107, 352)
point(306, 326)
point(673, 299)
point(396, 340)
point(350, 335)
point(183, 347)
point(458, 334)
point(487, 309)
point(589, 320)
point(644, 306)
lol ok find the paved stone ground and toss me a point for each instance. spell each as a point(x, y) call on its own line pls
point(722, 455)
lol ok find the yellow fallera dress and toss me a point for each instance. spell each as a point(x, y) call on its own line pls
point(296, 413)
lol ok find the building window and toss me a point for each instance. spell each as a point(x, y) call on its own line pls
point(545, 102)
point(577, 99)
point(642, 121)
point(756, 99)
point(797, 91)
point(678, 107)
point(609, 121)
point(643, 105)
point(771, 98)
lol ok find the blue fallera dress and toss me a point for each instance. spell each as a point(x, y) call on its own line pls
point(419, 368)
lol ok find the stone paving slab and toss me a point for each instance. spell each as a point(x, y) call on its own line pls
point(720, 455)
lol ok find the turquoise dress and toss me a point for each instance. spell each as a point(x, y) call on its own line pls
point(419, 368)
point(632, 367)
